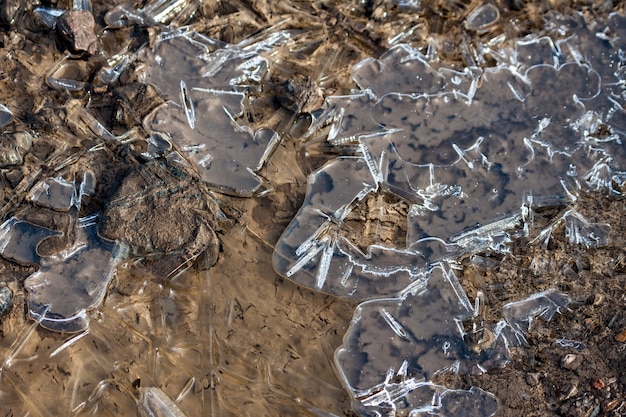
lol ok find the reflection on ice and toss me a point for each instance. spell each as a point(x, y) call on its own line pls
point(473, 152)
point(19, 240)
point(72, 280)
point(5, 116)
point(394, 346)
point(206, 82)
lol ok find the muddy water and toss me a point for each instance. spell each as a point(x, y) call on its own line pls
point(229, 335)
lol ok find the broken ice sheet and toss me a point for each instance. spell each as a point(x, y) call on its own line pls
point(472, 161)
point(155, 12)
point(206, 82)
point(74, 281)
point(393, 347)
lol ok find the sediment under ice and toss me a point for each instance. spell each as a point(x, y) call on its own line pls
point(473, 152)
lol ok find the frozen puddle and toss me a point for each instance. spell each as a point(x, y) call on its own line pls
point(395, 346)
point(473, 153)
point(473, 163)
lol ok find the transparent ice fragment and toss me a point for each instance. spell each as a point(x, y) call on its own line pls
point(521, 314)
point(158, 145)
point(154, 402)
point(578, 230)
point(204, 63)
point(427, 399)
point(5, 116)
point(316, 248)
point(55, 193)
point(225, 153)
point(48, 16)
point(69, 75)
point(73, 281)
point(155, 12)
point(483, 17)
point(574, 344)
point(206, 82)
point(466, 161)
point(394, 346)
point(19, 240)
point(402, 69)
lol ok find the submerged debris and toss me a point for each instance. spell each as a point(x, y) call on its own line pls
point(165, 214)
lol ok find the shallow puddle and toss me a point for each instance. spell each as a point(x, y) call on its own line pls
point(196, 197)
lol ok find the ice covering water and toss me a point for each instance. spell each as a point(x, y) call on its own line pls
point(73, 280)
point(473, 152)
point(206, 82)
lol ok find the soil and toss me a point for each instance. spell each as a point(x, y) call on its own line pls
point(230, 336)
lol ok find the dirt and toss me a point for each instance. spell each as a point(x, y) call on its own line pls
point(229, 336)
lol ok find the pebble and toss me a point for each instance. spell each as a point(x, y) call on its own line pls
point(621, 336)
point(77, 28)
point(598, 384)
point(6, 300)
point(532, 379)
point(571, 361)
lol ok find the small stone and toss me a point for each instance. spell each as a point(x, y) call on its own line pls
point(77, 28)
point(598, 384)
point(571, 361)
point(621, 336)
point(532, 379)
point(6, 300)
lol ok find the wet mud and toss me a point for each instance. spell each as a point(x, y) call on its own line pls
point(315, 208)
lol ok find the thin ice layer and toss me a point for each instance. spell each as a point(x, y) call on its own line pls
point(225, 153)
point(393, 347)
point(72, 282)
point(54, 193)
point(473, 153)
point(19, 240)
point(206, 84)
